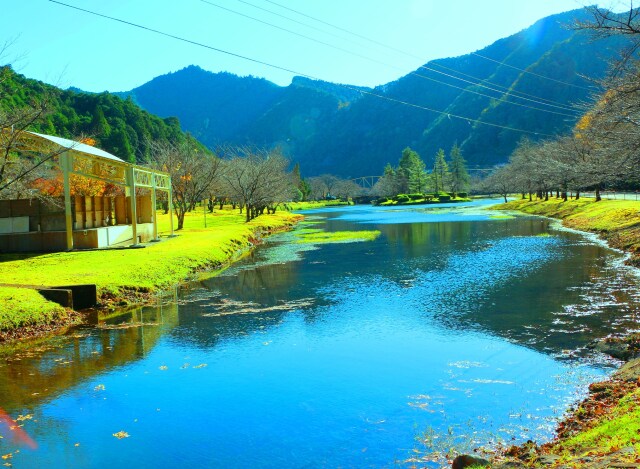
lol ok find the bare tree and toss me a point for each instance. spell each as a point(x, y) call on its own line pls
point(257, 179)
point(347, 189)
point(500, 181)
point(193, 172)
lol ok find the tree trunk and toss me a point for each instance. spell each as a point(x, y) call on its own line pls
point(505, 198)
point(165, 206)
point(577, 195)
point(221, 204)
point(524, 196)
point(546, 196)
point(247, 213)
point(530, 197)
point(598, 198)
point(180, 214)
point(564, 196)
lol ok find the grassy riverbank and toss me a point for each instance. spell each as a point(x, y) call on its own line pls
point(604, 430)
point(124, 273)
point(616, 221)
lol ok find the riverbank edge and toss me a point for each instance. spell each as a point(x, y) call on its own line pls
point(594, 433)
point(615, 221)
point(50, 318)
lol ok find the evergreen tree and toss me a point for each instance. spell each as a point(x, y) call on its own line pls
point(389, 171)
point(440, 175)
point(460, 179)
point(411, 172)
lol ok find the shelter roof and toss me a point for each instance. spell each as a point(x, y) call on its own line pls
point(77, 146)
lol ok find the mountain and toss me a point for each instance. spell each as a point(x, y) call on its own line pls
point(354, 131)
point(118, 125)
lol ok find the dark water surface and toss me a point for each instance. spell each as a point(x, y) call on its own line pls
point(450, 323)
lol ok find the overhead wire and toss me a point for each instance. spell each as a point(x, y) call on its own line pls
point(403, 52)
point(463, 89)
point(295, 72)
point(481, 82)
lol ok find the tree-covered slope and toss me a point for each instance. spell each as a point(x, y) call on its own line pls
point(118, 125)
point(335, 128)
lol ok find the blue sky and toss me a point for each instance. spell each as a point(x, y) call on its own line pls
point(69, 48)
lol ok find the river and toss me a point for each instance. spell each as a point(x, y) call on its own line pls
point(457, 326)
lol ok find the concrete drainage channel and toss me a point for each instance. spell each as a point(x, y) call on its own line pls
point(76, 297)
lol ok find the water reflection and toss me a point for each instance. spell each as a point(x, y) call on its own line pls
point(333, 355)
point(49, 368)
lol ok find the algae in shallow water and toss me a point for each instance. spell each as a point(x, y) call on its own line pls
point(337, 236)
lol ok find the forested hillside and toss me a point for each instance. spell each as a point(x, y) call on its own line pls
point(334, 128)
point(118, 125)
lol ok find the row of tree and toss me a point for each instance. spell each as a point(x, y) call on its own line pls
point(603, 150)
point(411, 175)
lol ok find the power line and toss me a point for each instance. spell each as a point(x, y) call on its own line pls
point(480, 81)
point(531, 73)
point(278, 67)
point(463, 89)
point(403, 52)
point(307, 25)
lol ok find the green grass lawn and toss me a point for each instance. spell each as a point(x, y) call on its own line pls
point(157, 266)
point(617, 221)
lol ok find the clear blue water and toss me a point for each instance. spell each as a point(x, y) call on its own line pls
point(343, 355)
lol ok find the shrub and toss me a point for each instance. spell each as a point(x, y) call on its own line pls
point(463, 195)
point(402, 198)
point(416, 196)
point(444, 198)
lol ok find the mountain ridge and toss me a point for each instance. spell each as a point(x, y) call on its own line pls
point(352, 131)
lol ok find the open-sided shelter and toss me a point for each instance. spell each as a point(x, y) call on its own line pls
point(89, 222)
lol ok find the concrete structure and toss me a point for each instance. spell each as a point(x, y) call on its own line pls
point(83, 222)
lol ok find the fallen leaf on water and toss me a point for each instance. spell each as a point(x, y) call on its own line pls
point(164, 367)
point(76, 445)
point(7, 456)
point(121, 434)
point(186, 365)
point(21, 418)
point(201, 365)
point(99, 387)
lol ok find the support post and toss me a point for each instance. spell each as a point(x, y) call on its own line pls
point(131, 188)
point(66, 163)
point(171, 210)
point(154, 213)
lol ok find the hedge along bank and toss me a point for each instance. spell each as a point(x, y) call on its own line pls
point(209, 240)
